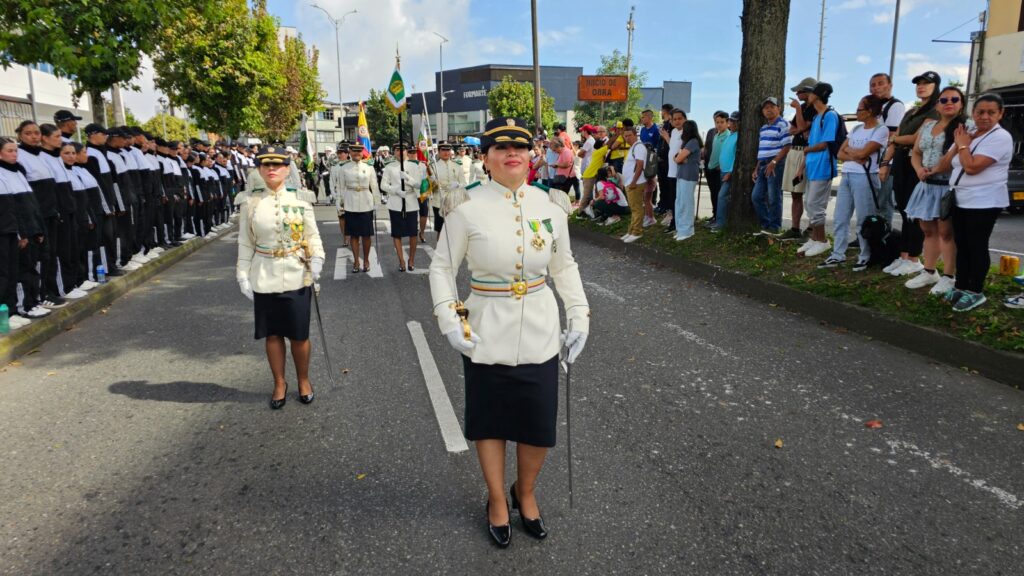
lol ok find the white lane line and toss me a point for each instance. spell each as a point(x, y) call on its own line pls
point(341, 263)
point(1005, 252)
point(605, 292)
point(446, 420)
point(428, 250)
point(231, 235)
point(1006, 498)
point(375, 270)
point(699, 341)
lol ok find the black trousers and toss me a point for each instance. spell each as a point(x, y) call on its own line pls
point(123, 229)
point(153, 225)
point(142, 224)
point(30, 261)
point(9, 261)
point(667, 198)
point(48, 258)
point(179, 212)
point(89, 250)
point(714, 178)
point(904, 180)
point(67, 252)
point(972, 228)
point(106, 230)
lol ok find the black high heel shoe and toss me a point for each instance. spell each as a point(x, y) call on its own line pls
point(278, 404)
point(534, 528)
point(307, 398)
point(502, 535)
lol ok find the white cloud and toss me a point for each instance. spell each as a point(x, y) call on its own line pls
point(850, 5)
point(863, 59)
point(911, 56)
point(554, 37)
point(883, 17)
point(497, 46)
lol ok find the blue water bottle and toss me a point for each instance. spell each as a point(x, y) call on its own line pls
point(101, 274)
point(5, 320)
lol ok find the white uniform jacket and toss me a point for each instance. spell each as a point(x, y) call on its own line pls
point(477, 172)
point(391, 182)
point(359, 189)
point(338, 183)
point(449, 176)
point(271, 229)
point(512, 241)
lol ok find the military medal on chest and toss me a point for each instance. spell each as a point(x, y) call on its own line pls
point(292, 221)
point(538, 242)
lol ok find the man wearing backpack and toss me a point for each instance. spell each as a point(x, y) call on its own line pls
point(893, 111)
point(820, 167)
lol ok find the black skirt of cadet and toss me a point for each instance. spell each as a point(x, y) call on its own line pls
point(514, 403)
point(404, 227)
point(283, 313)
point(359, 224)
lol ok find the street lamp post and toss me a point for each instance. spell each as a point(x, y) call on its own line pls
point(442, 132)
point(337, 46)
point(163, 114)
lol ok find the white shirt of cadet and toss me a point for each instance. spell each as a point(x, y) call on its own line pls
point(636, 152)
point(675, 144)
point(986, 189)
point(858, 138)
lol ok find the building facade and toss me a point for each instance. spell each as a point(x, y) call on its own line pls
point(50, 92)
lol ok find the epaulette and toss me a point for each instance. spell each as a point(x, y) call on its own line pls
point(457, 161)
point(411, 160)
point(557, 197)
point(292, 190)
point(543, 187)
point(473, 185)
point(454, 199)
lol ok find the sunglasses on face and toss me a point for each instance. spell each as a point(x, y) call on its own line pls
point(953, 99)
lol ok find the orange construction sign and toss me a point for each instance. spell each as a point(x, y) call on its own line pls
point(602, 89)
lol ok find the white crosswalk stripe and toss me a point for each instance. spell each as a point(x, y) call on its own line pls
point(341, 263)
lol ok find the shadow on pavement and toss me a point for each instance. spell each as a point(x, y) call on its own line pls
point(184, 392)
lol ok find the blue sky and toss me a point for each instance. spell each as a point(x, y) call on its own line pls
point(690, 40)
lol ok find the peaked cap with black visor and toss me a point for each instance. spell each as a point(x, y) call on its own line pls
point(505, 131)
point(273, 155)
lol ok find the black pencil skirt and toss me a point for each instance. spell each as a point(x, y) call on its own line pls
point(359, 224)
point(404, 227)
point(514, 403)
point(283, 313)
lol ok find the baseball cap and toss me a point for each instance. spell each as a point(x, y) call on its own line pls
point(929, 77)
point(735, 116)
point(770, 100)
point(805, 85)
point(95, 129)
point(823, 90)
point(64, 116)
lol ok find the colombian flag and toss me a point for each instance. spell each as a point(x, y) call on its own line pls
point(364, 131)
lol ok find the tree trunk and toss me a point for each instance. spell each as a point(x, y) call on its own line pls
point(99, 111)
point(762, 74)
point(115, 101)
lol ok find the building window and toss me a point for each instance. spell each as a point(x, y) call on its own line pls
point(325, 114)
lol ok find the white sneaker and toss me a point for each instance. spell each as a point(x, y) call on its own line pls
point(908, 267)
point(629, 239)
point(158, 251)
point(817, 249)
point(945, 284)
point(76, 294)
point(681, 238)
point(88, 285)
point(611, 220)
point(589, 211)
point(187, 236)
point(37, 312)
point(666, 219)
point(131, 267)
point(805, 247)
point(925, 278)
point(211, 235)
point(16, 322)
point(624, 236)
point(894, 265)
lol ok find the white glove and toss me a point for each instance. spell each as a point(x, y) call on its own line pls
point(245, 287)
point(316, 265)
point(574, 341)
point(409, 178)
point(456, 339)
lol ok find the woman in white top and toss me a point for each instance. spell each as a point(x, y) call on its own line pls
point(925, 204)
point(980, 160)
point(859, 187)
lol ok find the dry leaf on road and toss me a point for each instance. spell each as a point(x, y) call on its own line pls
point(778, 443)
point(873, 424)
point(1020, 426)
point(360, 476)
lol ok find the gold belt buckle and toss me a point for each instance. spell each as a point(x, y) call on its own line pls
point(278, 252)
point(519, 288)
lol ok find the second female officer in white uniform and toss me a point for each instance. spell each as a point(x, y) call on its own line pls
point(359, 197)
point(403, 202)
point(513, 236)
point(280, 256)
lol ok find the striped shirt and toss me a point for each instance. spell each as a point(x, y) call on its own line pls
point(774, 137)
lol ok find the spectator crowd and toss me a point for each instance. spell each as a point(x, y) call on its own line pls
point(941, 165)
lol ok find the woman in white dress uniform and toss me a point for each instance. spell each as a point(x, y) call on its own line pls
point(512, 236)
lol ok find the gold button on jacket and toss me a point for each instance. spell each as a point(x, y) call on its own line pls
point(269, 255)
point(391, 182)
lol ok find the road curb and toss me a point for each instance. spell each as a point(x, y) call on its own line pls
point(24, 340)
point(1004, 367)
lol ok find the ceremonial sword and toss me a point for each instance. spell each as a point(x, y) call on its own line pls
point(568, 409)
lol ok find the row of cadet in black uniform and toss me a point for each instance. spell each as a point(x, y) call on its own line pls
point(119, 202)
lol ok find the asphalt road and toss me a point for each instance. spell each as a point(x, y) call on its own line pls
point(141, 442)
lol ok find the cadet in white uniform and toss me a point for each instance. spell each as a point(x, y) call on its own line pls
point(280, 256)
point(512, 236)
point(337, 186)
point(360, 196)
point(448, 176)
point(403, 190)
point(476, 171)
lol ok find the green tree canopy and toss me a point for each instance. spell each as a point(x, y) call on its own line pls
point(382, 122)
point(515, 99)
point(177, 128)
point(301, 92)
point(219, 60)
point(591, 113)
point(97, 43)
